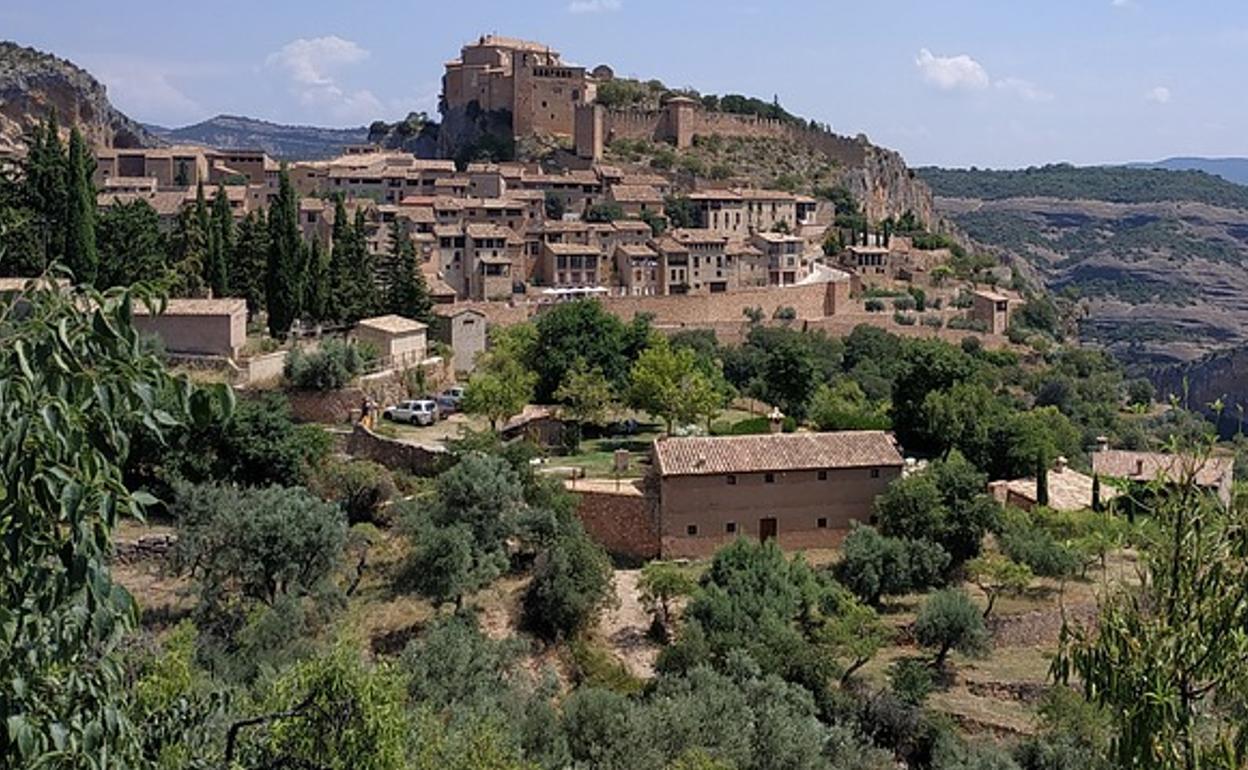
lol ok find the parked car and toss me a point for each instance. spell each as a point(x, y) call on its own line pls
point(419, 412)
point(450, 399)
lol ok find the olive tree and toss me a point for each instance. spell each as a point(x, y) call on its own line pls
point(949, 621)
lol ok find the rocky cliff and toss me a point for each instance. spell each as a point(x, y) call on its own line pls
point(1218, 377)
point(33, 84)
point(886, 187)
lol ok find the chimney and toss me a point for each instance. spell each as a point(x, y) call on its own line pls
point(1059, 465)
point(1139, 467)
point(1102, 443)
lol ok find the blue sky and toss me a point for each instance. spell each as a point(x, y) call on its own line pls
point(993, 83)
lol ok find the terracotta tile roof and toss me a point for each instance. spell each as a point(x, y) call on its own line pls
point(630, 225)
point(1069, 490)
point(635, 193)
point(698, 235)
point(1147, 466)
point(636, 250)
point(653, 180)
point(756, 194)
point(715, 195)
point(165, 202)
point(991, 295)
point(392, 324)
point(478, 230)
point(192, 306)
point(572, 249)
point(775, 452)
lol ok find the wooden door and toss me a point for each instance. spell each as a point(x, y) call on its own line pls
point(766, 529)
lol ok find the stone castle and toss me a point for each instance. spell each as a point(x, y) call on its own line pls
point(546, 96)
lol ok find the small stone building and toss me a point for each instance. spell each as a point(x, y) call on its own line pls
point(197, 327)
point(802, 489)
point(464, 330)
point(993, 309)
point(400, 341)
point(1215, 474)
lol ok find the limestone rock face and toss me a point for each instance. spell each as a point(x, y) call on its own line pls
point(886, 187)
point(33, 84)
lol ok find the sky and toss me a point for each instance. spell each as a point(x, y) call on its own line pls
point(987, 83)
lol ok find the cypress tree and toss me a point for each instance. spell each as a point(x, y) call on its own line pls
point(283, 282)
point(220, 241)
point(316, 294)
point(366, 300)
point(1042, 480)
point(45, 174)
point(189, 255)
point(406, 292)
point(1096, 493)
point(80, 253)
point(250, 255)
point(339, 295)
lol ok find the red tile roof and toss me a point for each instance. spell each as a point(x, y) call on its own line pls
point(775, 452)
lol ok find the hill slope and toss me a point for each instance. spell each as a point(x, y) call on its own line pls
point(280, 141)
point(1157, 256)
point(1231, 169)
point(34, 83)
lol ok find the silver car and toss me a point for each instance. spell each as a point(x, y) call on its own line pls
point(418, 412)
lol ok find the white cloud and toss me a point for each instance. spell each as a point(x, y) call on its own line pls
point(593, 6)
point(145, 89)
point(951, 72)
point(1158, 94)
point(1025, 89)
point(312, 64)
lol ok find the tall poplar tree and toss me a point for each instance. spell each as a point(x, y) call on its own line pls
point(220, 242)
point(283, 281)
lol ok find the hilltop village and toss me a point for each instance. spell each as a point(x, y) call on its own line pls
point(639, 429)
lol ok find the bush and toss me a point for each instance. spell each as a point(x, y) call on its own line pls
point(910, 679)
point(934, 321)
point(873, 565)
point(904, 303)
point(948, 621)
point(330, 367)
point(903, 319)
point(572, 582)
point(1039, 550)
point(361, 487)
point(874, 305)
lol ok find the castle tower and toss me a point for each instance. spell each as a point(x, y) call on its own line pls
point(680, 119)
point(590, 141)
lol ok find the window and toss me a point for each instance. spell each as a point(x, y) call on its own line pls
point(823, 475)
point(731, 527)
point(691, 529)
point(821, 522)
point(770, 478)
point(875, 473)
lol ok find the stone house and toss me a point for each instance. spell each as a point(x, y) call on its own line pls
point(197, 327)
point(993, 309)
point(465, 331)
point(802, 489)
point(400, 341)
point(1215, 474)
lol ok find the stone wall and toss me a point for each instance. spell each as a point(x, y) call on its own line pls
point(397, 455)
point(625, 522)
point(144, 548)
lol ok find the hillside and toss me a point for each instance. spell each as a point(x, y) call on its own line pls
point(1231, 169)
point(34, 83)
point(278, 140)
point(1155, 256)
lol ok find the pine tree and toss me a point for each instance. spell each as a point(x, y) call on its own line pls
point(250, 256)
point(220, 242)
point(406, 292)
point(80, 253)
point(283, 281)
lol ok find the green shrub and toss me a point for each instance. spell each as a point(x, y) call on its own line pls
point(903, 319)
point(874, 305)
point(330, 367)
point(363, 489)
point(949, 621)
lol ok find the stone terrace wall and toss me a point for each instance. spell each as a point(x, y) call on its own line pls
point(810, 301)
point(624, 522)
point(397, 455)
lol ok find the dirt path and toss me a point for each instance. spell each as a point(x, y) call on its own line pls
point(624, 627)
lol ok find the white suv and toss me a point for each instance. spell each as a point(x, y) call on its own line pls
point(421, 412)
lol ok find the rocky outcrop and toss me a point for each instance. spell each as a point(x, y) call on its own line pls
point(33, 84)
point(886, 187)
point(1218, 378)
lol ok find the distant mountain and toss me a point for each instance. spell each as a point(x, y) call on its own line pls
point(1156, 258)
point(34, 83)
point(279, 141)
point(1231, 169)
